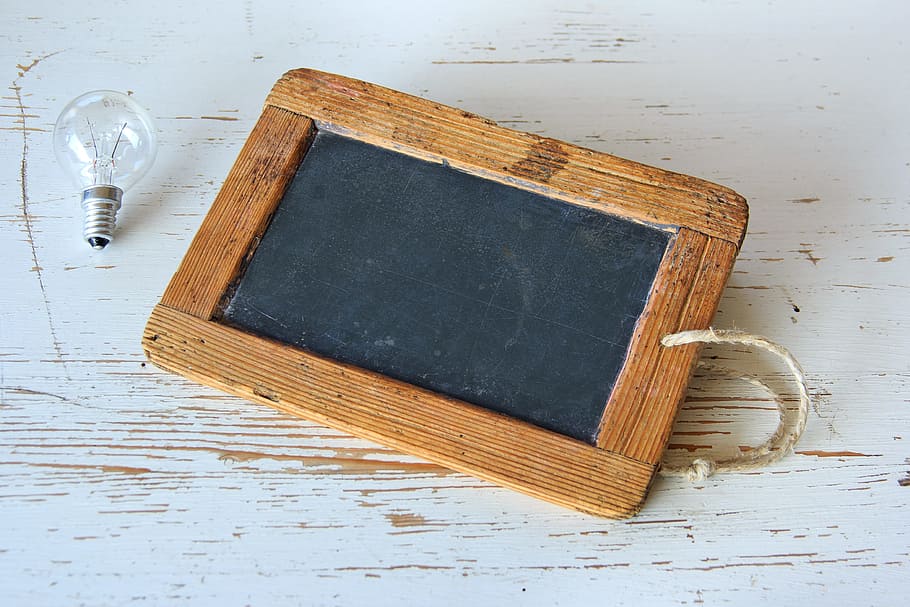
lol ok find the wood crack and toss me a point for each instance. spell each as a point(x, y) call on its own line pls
point(16, 87)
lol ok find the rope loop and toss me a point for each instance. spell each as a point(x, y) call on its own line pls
point(784, 437)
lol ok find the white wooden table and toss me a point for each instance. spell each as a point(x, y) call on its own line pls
point(120, 483)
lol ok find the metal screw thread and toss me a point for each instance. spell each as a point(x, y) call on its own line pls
point(99, 214)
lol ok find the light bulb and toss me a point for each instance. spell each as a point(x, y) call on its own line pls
point(106, 142)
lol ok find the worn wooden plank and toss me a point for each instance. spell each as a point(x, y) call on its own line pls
point(640, 414)
point(476, 144)
point(241, 211)
point(470, 439)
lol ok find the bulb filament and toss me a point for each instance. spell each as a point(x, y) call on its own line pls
point(101, 164)
point(116, 143)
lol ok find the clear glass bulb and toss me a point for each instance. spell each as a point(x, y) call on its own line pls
point(106, 142)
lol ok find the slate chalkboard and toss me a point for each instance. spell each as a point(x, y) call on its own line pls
point(441, 308)
point(491, 294)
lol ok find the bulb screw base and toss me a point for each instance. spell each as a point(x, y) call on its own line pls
point(100, 204)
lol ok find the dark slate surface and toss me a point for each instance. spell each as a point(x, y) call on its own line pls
point(493, 295)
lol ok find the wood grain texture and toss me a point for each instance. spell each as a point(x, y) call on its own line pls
point(469, 439)
point(241, 211)
point(652, 385)
point(469, 142)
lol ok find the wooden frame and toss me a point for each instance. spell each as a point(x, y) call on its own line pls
point(610, 478)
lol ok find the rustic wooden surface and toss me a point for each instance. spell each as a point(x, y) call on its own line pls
point(120, 483)
point(549, 166)
point(648, 393)
point(469, 439)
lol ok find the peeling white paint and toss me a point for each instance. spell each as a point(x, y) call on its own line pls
point(121, 483)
